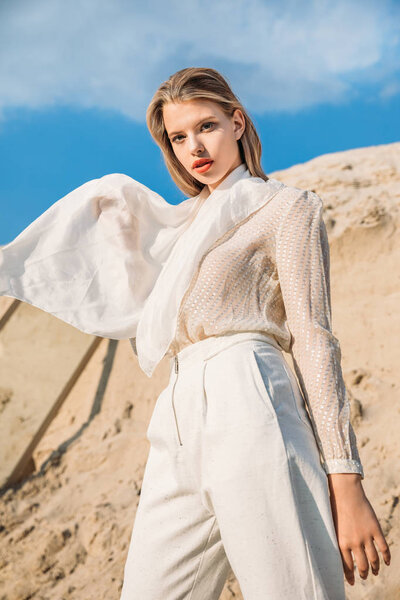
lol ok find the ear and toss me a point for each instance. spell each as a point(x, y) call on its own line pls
point(239, 123)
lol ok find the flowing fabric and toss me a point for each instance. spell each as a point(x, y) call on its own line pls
point(113, 258)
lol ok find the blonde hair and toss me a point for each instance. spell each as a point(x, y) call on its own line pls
point(200, 84)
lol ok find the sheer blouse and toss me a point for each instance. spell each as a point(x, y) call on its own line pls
point(271, 273)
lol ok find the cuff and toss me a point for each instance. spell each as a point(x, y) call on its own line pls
point(343, 465)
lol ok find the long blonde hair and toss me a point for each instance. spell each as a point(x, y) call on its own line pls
point(200, 84)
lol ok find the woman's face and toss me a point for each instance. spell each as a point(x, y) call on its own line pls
point(200, 129)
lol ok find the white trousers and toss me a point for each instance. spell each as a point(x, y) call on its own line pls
point(233, 481)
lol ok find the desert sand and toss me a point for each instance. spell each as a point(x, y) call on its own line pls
point(65, 527)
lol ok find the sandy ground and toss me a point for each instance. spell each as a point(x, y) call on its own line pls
point(64, 532)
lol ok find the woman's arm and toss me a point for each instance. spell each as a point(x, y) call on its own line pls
point(303, 262)
point(302, 255)
point(356, 525)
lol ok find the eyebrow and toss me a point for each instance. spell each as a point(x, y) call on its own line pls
point(198, 123)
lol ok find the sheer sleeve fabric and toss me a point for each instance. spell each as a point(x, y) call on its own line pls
point(303, 263)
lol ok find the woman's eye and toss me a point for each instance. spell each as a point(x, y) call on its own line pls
point(175, 139)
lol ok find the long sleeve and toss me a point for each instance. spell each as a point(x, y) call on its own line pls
point(303, 263)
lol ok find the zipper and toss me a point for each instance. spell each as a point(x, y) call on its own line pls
point(173, 389)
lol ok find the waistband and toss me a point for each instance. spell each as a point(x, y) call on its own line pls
point(205, 349)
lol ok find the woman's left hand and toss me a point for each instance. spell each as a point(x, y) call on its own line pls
point(357, 527)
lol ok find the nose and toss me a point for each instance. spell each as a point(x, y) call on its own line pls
point(195, 146)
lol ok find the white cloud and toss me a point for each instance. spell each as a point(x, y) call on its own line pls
point(283, 55)
point(390, 89)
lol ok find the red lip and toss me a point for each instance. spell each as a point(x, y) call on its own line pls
point(200, 162)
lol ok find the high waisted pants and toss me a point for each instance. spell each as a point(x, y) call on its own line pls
point(233, 482)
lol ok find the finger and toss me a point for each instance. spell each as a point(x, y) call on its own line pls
point(361, 560)
point(382, 545)
point(348, 564)
point(372, 556)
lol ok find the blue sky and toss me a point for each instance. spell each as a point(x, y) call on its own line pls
point(76, 78)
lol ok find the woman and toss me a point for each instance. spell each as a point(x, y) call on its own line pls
point(239, 475)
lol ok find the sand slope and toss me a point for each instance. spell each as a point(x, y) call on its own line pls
point(64, 532)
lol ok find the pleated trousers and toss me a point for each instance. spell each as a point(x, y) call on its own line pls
point(233, 482)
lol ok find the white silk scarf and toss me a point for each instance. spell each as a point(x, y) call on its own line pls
point(113, 258)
